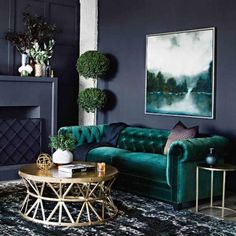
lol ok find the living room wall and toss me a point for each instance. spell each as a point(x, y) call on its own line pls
point(66, 16)
point(123, 26)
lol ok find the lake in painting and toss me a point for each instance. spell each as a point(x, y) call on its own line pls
point(179, 73)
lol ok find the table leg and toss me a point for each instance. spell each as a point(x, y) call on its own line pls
point(93, 201)
point(223, 195)
point(197, 175)
point(212, 187)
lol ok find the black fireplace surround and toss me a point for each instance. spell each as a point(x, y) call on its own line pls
point(28, 116)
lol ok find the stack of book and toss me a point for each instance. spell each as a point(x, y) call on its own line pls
point(75, 168)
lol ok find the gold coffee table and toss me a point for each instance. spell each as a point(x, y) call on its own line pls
point(53, 198)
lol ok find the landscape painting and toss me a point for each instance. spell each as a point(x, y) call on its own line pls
point(180, 73)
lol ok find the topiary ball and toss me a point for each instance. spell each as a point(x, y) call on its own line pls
point(91, 99)
point(92, 64)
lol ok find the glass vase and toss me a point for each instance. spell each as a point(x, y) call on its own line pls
point(211, 158)
point(38, 70)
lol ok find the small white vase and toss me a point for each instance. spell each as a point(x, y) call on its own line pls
point(62, 157)
point(24, 62)
point(24, 59)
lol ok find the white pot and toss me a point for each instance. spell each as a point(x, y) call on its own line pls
point(62, 157)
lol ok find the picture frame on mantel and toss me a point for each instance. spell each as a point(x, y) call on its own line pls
point(179, 77)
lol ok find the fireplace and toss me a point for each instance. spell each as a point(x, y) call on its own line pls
point(20, 141)
point(28, 116)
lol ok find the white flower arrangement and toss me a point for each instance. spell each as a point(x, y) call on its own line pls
point(25, 70)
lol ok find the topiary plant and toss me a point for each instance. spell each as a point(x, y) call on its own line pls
point(63, 142)
point(91, 99)
point(92, 64)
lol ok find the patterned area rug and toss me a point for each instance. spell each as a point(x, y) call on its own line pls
point(137, 216)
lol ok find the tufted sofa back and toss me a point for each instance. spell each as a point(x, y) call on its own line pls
point(143, 140)
point(84, 134)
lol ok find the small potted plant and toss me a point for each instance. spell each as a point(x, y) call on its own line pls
point(64, 144)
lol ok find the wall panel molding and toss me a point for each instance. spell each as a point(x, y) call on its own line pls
point(66, 15)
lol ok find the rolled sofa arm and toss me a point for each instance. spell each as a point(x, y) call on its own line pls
point(193, 150)
point(84, 134)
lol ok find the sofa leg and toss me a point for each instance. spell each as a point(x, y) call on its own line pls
point(177, 206)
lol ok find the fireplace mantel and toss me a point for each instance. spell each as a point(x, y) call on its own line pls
point(19, 93)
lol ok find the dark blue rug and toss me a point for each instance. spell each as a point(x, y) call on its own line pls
point(137, 216)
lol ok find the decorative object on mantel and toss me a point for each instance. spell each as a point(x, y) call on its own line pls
point(40, 55)
point(63, 144)
point(38, 34)
point(25, 68)
point(94, 65)
point(44, 161)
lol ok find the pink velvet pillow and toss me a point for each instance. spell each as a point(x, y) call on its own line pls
point(180, 132)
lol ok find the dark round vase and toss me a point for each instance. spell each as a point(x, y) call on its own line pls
point(211, 158)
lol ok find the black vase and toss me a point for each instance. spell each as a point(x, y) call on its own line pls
point(211, 158)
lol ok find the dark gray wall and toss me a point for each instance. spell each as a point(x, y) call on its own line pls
point(123, 26)
point(65, 14)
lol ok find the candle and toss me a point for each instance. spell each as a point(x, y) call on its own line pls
point(101, 167)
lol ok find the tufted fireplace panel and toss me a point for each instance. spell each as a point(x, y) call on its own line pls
point(20, 141)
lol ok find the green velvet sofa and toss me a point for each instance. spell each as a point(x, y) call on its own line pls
point(145, 170)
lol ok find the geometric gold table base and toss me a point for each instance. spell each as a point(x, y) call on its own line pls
point(68, 204)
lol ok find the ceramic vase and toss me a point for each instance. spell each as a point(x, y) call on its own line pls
point(38, 70)
point(24, 62)
point(211, 158)
point(24, 59)
point(62, 157)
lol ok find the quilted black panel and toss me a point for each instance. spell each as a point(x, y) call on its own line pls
point(20, 141)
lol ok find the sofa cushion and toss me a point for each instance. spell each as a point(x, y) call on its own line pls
point(143, 140)
point(144, 165)
point(180, 132)
point(104, 154)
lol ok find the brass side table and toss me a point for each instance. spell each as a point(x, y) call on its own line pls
point(56, 199)
point(217, 168)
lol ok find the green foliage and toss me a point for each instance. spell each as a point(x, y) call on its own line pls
point(36, 29)
point(158, 83)
point(92, 64)
point(204, 84)
point(183, 87)
point(62, 141)
point(171, 86)
point(151, 82)
point(91, 99)
point(40, 55)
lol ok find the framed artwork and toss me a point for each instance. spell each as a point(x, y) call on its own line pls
point(180, 73)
